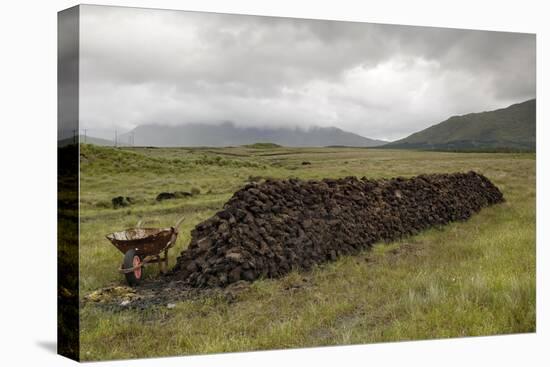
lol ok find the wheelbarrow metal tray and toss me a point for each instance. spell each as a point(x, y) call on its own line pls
point(146, 241)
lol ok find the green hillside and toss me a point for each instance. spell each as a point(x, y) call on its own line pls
point(507, 128)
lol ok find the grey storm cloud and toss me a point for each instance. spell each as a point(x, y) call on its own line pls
point(143, 66)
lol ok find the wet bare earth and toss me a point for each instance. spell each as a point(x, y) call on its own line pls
point(162, 292)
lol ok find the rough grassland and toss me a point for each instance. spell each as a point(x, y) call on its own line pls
point(464, 279)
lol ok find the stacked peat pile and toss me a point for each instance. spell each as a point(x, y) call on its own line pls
point(267, 229)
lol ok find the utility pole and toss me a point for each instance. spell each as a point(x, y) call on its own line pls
point(116, 137)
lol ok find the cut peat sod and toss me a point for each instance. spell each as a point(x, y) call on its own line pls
point(266, 230)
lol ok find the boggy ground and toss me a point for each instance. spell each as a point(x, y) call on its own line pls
point(466, 278)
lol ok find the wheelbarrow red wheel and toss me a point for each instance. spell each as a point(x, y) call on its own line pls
point(132, 260)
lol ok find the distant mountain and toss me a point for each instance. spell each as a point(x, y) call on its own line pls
point(512, 127)
point(228, 134)
point(91, 140)
point(97, 141)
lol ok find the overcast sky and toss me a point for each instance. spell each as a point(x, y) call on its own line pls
point(142, 66)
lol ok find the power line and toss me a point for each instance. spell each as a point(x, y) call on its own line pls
point(117, 139)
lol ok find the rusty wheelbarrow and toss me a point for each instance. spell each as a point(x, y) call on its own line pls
point(142, 246)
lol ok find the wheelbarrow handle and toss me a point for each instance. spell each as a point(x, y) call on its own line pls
point(178, 224)
point(144, 221)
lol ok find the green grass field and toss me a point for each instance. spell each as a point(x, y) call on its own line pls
point(464, 279)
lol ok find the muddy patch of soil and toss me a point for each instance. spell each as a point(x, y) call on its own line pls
point(162, 292)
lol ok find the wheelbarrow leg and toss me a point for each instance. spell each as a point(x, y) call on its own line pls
point(159, 260)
